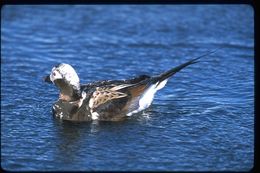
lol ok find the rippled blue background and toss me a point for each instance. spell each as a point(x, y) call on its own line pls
point(202, 120)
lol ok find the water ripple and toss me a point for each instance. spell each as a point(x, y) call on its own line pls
point(201, 121)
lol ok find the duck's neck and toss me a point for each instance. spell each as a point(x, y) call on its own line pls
point(68, 92)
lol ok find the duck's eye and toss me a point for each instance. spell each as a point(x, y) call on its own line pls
point(54, 74)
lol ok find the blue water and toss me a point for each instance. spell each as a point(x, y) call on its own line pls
point(203, 120)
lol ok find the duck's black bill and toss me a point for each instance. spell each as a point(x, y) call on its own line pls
point(47, 79)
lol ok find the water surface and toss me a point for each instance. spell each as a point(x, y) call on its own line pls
point(203, 119)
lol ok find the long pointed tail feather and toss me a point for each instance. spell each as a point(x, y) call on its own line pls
point(174, 70)
point(161, 80)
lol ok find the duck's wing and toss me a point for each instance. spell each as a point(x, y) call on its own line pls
point(112, 83)
point(105, 94)
point(130, 97)
point(107, 102)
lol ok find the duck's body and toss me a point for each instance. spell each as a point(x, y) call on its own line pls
point(102, 100)
point(111, 100)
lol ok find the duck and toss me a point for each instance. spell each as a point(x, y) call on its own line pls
point(106, 100)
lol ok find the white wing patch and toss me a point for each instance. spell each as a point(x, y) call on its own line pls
point(94, 115)
point(147, 98)
point(120, 87)
point(162, 84)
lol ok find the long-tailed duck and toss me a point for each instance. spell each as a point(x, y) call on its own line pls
point(109, 100)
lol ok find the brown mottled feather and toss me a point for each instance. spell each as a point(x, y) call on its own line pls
point(103, 95)
point(138, 90)
point(135, 92)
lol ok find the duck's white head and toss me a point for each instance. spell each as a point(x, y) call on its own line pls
point(65, 78)
point(65, 72)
